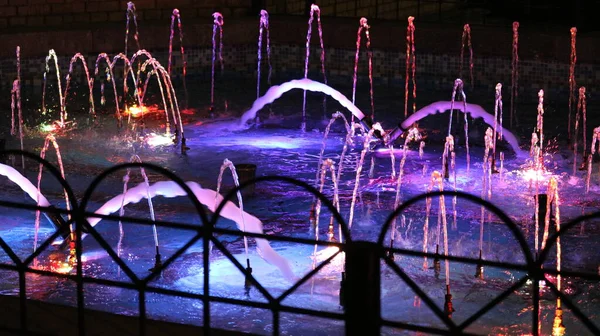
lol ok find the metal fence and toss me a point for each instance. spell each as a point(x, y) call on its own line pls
point(360, 289)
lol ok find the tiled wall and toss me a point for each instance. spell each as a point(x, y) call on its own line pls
point(434, 71)
point(64, 13)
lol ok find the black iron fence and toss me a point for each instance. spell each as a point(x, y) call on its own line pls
point(360, 290)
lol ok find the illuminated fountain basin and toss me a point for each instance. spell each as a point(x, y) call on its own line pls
point(282, 151)
point(278, 148)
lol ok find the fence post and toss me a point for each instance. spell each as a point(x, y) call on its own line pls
point(362, 290)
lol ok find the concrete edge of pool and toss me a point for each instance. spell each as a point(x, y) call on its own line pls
point(52, 319)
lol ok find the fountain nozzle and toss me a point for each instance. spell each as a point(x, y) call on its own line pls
point(184, 147)
point(448, 307)
point(211, 111)
point(330, 233)
point(479, 268)
point(247, 281)
point(72, 258)
point(390, 254)
point(312, 217)
point(558, 328)
point(157, 262)
point(437, 266)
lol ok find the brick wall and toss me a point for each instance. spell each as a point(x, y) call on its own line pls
point(544, 54)
point(36, 14)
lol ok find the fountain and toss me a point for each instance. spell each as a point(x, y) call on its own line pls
point(514, 74)
point(581, 115)
point(217, 53)
point(363, 26)
point(110, 77)
point(39, 198)
point(177, 16)
point(131, 14)
point(459, 90)
point(466, 43)
point(89, 83)
point(314, 11)
point(228, 164)
point(572, 83)
point(15, 104)
point(63, 112)
point(263, 28)
point(411, 63)
point(421, 250)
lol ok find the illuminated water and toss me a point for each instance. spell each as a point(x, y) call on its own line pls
point(278, 148)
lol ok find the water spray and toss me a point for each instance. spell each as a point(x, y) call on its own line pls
point(497, 113)
point(217, 25)
point(263, 26)
point(437, 265)
point(466, 41)
point(411, 65)
point(572, 83)
point(131, 14)
point(176, 16)
point(314, 11)
point(514, 88)
point(580, 115)
point(363, 26)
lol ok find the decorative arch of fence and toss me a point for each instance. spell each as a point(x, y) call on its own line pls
point(360, 287)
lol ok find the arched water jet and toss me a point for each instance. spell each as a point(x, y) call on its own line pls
point(228, 164)
point(127, 70)
point(136, 158)
point(110, 77)
point(476, 111)
point(89, 82)
point(162, 94)
point(42, 201)
point(63, 112)
point(171, 95)
point(277, 91)
point(207, 197)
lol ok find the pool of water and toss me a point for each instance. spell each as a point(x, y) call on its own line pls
point(277, 147)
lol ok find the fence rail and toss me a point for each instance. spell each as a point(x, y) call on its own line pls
point(360, 288)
